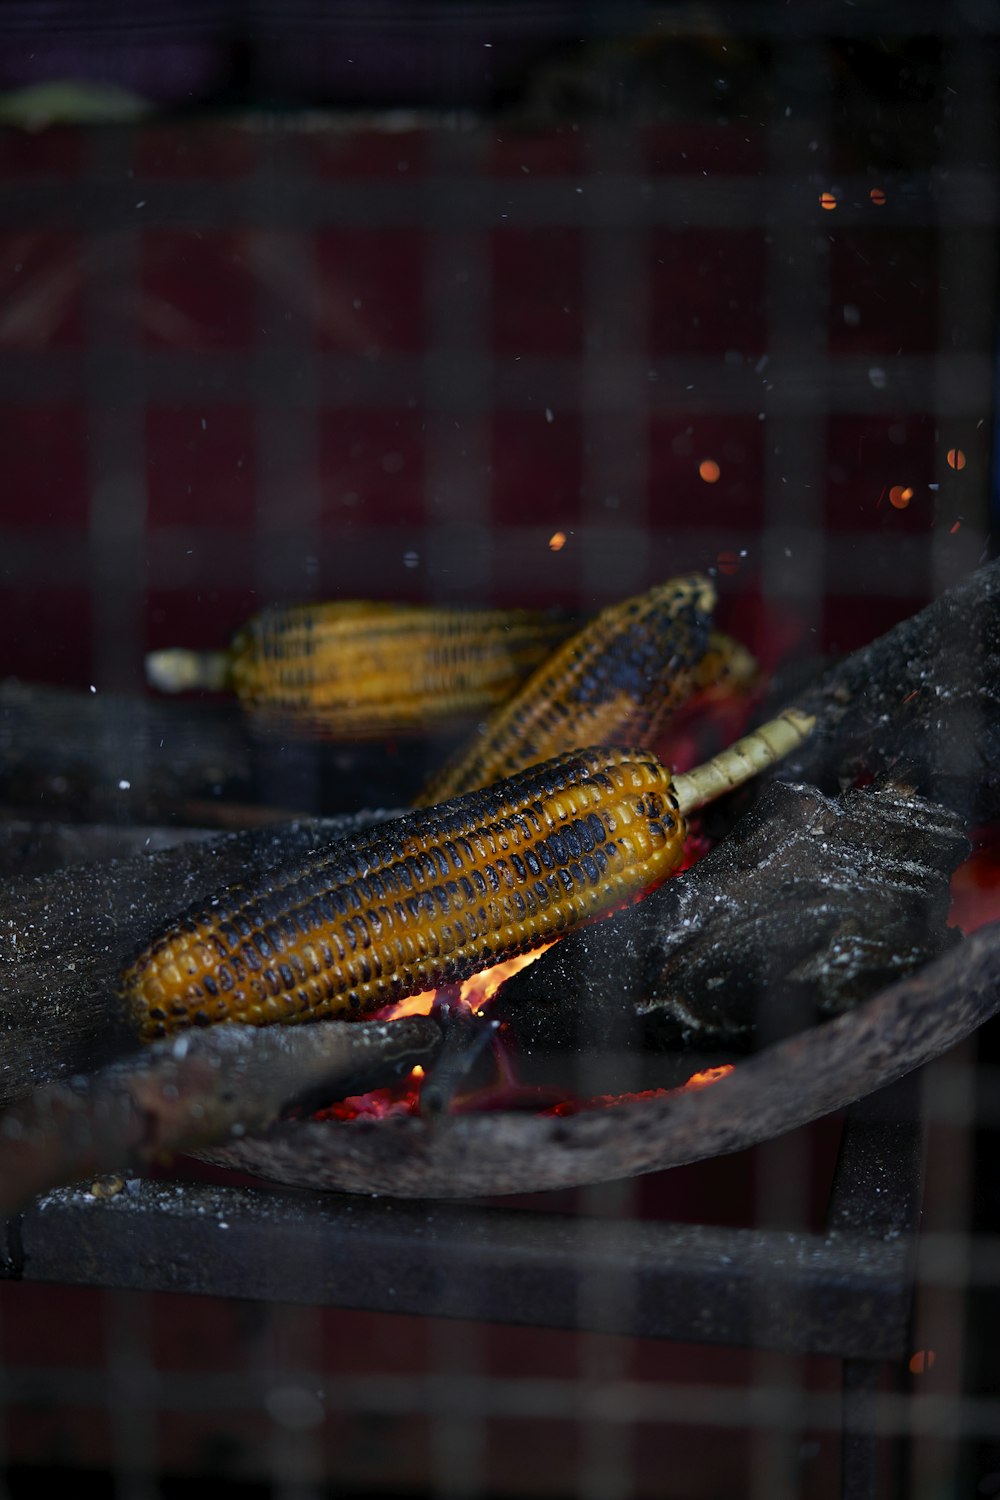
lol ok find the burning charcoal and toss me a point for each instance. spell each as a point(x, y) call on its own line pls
point(806, 909)
point(199, 1090)
point(923, 700)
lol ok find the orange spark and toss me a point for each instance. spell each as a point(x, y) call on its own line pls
point(956, 458)
point(557, 541)
point(827, 201)
point(900, 496)
point(877, 195)
point(728, 562)
point(709, 470)
point(923, 1360)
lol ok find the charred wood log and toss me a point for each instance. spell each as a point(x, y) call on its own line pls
point(921, 701)
point(65, 938)
point(116, 758)
point(807, 908)
point(193, 1092)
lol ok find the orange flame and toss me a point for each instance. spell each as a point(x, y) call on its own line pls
point(472, 993)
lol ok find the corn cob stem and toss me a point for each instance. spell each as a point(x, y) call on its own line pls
point(742, 760)
point(177, 670)
point(433, 897)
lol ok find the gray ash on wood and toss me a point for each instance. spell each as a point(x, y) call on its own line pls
point(921, 701)
point(810, 906)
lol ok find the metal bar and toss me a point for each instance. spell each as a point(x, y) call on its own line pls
point(839, 1294)
point(858, 1445)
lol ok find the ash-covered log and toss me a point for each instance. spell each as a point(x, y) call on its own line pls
point(65, 938)
point(195, 1091)
point(810, 906)
point(922, 701)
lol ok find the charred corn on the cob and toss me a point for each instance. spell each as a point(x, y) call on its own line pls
point(436, 895)
point(359, 669)
point(614, 682)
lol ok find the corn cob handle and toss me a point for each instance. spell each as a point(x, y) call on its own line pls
point(358, 669)
point(614, 682)
point(437, 895)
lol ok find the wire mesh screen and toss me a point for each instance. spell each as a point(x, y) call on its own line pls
point(538, 318)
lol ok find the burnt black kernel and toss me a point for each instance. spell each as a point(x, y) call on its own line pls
point(440, 895)
point(583, 833)
point(566, 879)
point(225, 980)
point(263, 946)
point(351, 936)
point(600, 859)
point(250, 956)
point(589, 867)
point(157, 1014)
point(365, 969)
point(531, 860)
point(517, 864)
point(287, 977)
point(656, 829)
point(557, 845)
point(545, 855)
point(210, 985)
point(571, 839)
point(503, 870)
point(201, 1018)
point(492, 878)
point(466, 887)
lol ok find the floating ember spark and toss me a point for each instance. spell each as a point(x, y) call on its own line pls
point(956, 458)
point(557, 541)
point(709, 471)
point(900, 496)
point(728, 562)
point(827, 201)
point(878, 196)
point(922, 1361)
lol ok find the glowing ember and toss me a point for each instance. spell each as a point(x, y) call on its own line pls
point(878, 196)
point(728, 562)
point(922, 1361)
point(709, 470)
point(557, 541)
point(900, 496)
point(956, 458)
point(827, 201)
point(602, 1101)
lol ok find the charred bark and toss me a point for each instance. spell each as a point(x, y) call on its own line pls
point(921, 702)
point(193, 1092)
point(65, 938)
point(810, 906)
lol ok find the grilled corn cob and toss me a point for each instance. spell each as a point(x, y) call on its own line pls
point(612, 683)
point(356, 669)
point(434, 896)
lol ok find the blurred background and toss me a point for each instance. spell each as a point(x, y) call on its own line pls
point(512, 303)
